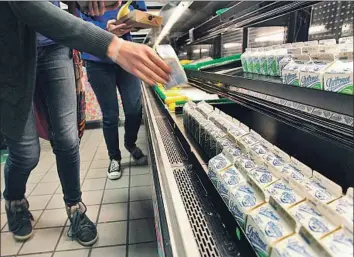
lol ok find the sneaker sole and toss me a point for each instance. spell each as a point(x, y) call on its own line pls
point(90, 243)
point(24, 238)
point(114, 176)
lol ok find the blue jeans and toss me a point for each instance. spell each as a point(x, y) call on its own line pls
point(104, 79)
point(55, 85)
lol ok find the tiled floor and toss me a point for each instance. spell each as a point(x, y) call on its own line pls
point(121, 209)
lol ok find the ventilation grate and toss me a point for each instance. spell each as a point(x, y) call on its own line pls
point(176, 154)
point(193, 206)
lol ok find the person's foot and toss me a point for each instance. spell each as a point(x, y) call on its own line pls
point(19, 219)
point(139, 157)
point(81, 227)
point(114, 170)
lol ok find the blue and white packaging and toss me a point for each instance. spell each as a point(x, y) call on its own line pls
point(296, 170)
point(262, 177)
point(339, 243)
point(344, 208)
point(276, 160)
point(216, 165)
point(245, 164)
point(232, 153)
point(230, 178)
point(247, 141)
point(237, 130)
point(284, 194)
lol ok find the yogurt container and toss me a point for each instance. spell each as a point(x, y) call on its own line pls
point(309, 215)
point(339, 243)
point(243, 199)
point(284, 194)
point(267, 225)
point(339, 76)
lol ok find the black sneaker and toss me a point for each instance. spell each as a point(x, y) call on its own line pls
point(81, 227)
point(19, 219)
point(114, 170)
point(139, 157)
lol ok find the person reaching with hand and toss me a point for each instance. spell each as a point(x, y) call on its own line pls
point(105, 78)
point(19, 22)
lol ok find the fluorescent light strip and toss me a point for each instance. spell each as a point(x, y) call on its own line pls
point(177, 13)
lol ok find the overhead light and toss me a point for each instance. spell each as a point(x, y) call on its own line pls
point(203, 50)
point(177, 13)
point(272, 37)
point(196, 51)
point(317, 29)
point(232, 45)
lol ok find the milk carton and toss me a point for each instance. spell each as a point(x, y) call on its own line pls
point(284, 57)
point(229, 179)
point(245, 60)
point(311, 76)
point(204, 131)
point(267, 225)
point(259, 150)
point(251, 60)
point(296, 170)
point(339, 76)
point(262, 177)
point(339, 243)
point(209, 137)
point(344, 208)
point(257, 60)
point(248, 140)
point(245, 164)
point(321, 189)
point(284, 194)
point(237, 131)
point(328, 46)
point(187, 108)
point(264, 60)
point(276, 160)
point(302, 244)
point(311, 43)
point(310, 49)
point(314, 218)
point(223, 143)
point(243, 199)
point(291, 72)
point(232, 153)
point(215, 137)
point(346, 44)
point(216, 165)
point(205, 109)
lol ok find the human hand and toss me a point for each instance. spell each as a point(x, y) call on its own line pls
point(139, 60)
point(119, 30)
point(98, 8)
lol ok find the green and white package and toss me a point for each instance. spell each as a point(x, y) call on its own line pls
point(339, 76)
point(245, 59)
point(311, 75)
point(291, 72)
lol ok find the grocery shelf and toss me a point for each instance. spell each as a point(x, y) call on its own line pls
point(329, 101)
point(185, 195)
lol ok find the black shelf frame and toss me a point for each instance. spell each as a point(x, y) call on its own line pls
point(334, 102)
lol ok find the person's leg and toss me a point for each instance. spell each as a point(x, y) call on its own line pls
point(56, 84)
point(102, 79)
point(130, 92)
point(23, 158)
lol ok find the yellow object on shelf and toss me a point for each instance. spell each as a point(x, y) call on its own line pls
point(172, 93)
point(174, 99)
point(183, 62)
point(124, 10)
point(172, 107)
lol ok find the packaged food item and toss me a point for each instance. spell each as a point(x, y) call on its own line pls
point(245, 59)
point(284, 57)
point(232, 153)
point(298, 45)
point(243, 199)
point(205, 109)
point(248, 140)
point(314, 218)
point(311, 76)
point(310, 49)
point(346, 44)
point(339, 76)
point(262, 177)
point(229, 179)
point(203, 127)
point(344, 208)
point(237, 130)
point(177, 75)
point(291, 72)
point(320, 189)
point(284, 194)
point(296, 170)
point(251, 60)
point(267, 225)
point(245, 164)
point(204, 134)
point(297, 245)
point(263, 60)
point(256, 60)
point(276, 160)
point(339, 243)
point(311, 43)
point(328, 46)
point(216, 165)
point(215, 136)
point(198, 121)
point(187, 108)
point(223, 143)
point(259, 150)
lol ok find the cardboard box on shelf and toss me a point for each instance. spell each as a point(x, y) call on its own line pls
point(141, 20)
